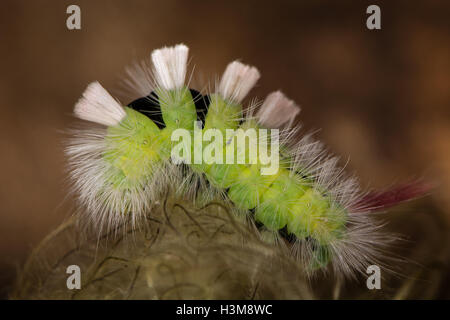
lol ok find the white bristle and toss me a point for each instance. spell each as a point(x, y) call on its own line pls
point(277, 111)
point(170, 66)
point(237, 80)
point(97, 105)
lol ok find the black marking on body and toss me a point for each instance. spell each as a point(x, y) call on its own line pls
point(149, 106)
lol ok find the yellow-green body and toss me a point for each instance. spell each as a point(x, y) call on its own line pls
point(285, 199)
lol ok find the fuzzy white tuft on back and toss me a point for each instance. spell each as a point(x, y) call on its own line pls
point(170, 66)
point(97, 105)
point(237, 80)
point(277, 111)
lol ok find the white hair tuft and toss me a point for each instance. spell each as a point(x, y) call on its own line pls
point(277, 110)
point(170, 66)
point(237, 80)
point(97, 105)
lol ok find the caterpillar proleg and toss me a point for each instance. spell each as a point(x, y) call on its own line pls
point(120, 168)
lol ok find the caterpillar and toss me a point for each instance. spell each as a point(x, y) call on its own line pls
point(121, 166)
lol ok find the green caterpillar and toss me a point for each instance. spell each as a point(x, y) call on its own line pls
point(119, 170)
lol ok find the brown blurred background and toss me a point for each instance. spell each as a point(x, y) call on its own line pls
point(381, 97)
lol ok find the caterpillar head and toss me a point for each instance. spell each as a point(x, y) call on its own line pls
point(113, 166)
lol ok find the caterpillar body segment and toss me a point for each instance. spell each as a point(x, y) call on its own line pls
point(134, 142)
point(113, 168)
